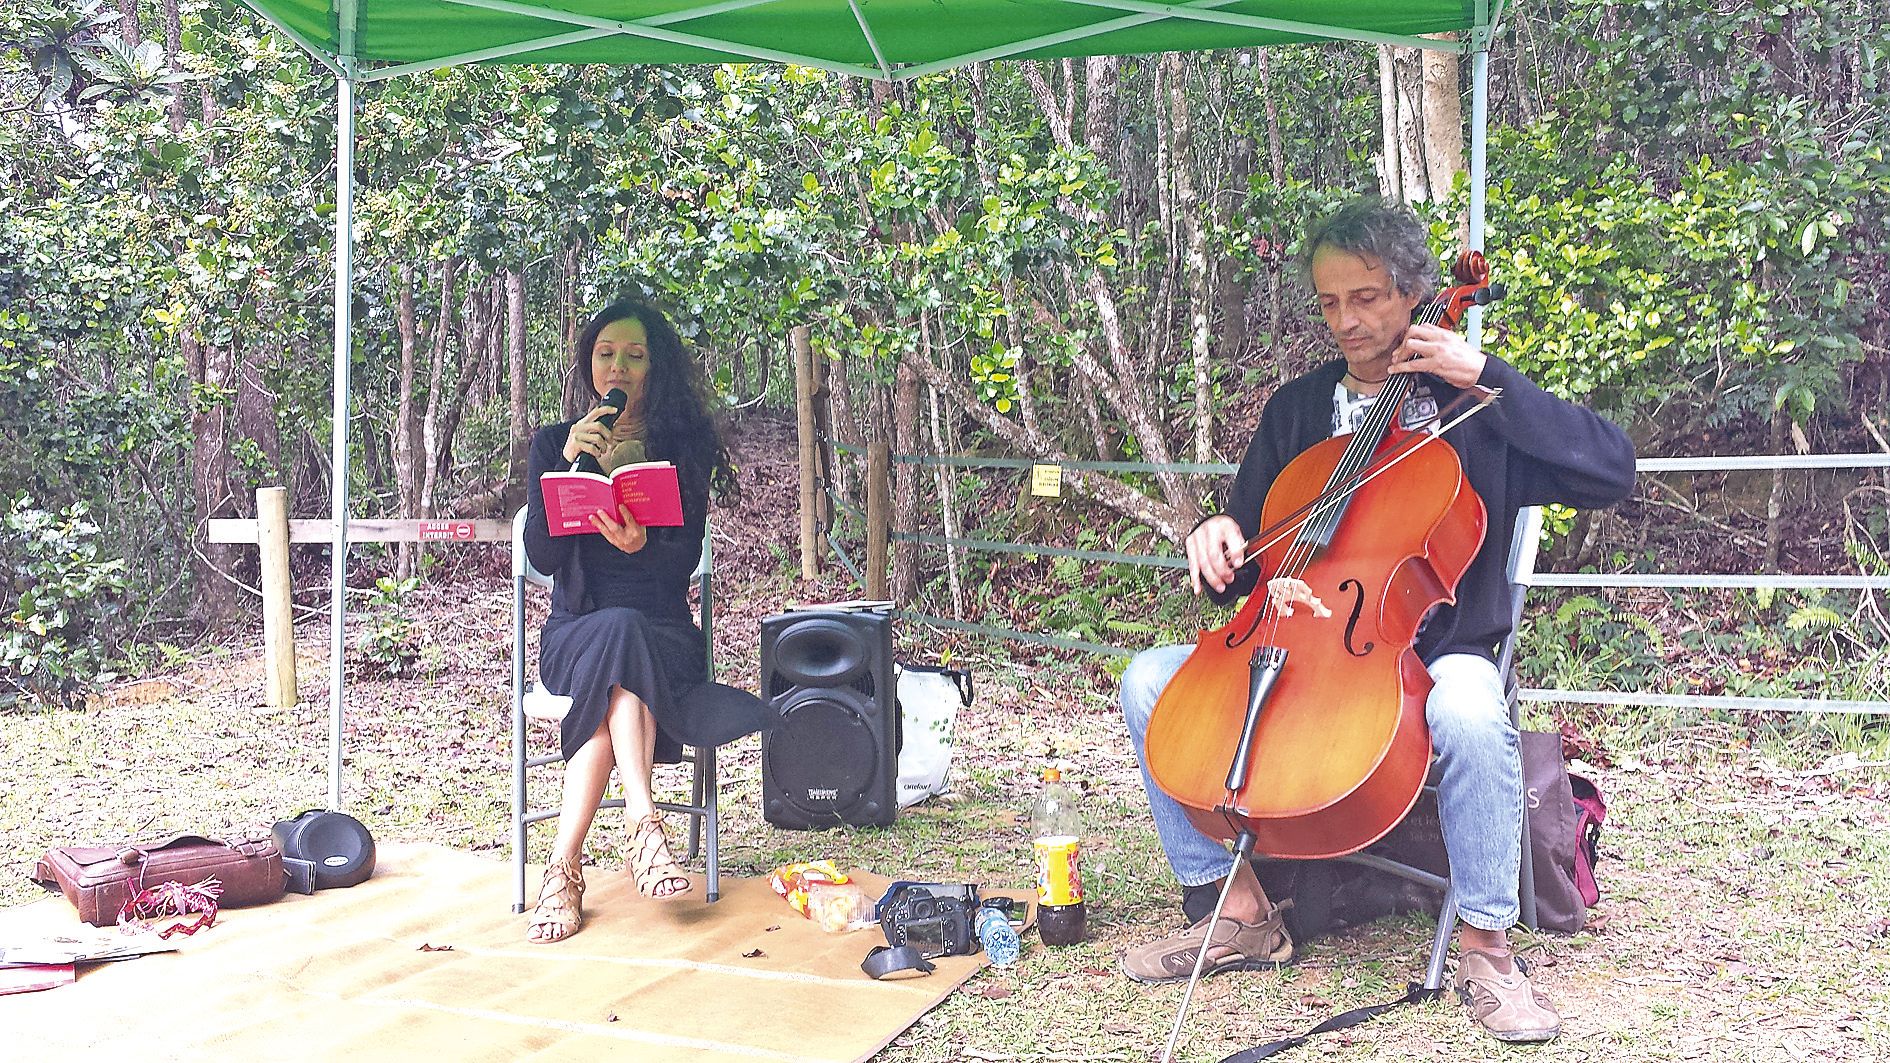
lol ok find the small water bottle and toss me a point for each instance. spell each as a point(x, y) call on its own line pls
point(997, 936)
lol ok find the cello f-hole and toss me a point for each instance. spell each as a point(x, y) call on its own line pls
point(1351, 622)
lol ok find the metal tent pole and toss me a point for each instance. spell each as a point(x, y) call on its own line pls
point(1479, 171)
point(338, 459)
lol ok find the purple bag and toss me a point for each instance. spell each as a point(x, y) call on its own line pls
point(1565, 813)
point(1590, 812)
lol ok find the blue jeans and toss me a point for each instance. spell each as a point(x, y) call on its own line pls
point(1479, 794)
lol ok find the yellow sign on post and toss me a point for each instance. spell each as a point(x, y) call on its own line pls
point(1046, 481)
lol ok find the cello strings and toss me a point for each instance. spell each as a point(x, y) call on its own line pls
point(1358, 454)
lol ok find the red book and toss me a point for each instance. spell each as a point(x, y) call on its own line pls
point(649, 488)
point(33, 977)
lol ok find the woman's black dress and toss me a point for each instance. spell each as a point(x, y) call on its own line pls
point(623, 619)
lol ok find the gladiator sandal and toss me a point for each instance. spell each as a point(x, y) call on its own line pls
point(652, 865)
point(558, 914)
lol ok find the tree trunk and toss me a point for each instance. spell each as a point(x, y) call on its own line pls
point(492, 332)
point(1194, 254)
point(521, 411)
point(435, 445)
point(1443, 128)
point(406, 429)
point(947, 508)
point(174, 43)
point(846, 429)
point(255, 406)
point(1390, 156)
point(255, 420)
point(1276, 259)
point(128, 26)
point(1423, 122)
point(905, 440)
point(472, 355)
point(1775, 501)
point(1230, 287)
point(209, 369)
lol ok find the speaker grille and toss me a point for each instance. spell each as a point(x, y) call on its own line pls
point(835, 758)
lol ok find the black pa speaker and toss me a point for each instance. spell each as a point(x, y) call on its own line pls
point(834, 756)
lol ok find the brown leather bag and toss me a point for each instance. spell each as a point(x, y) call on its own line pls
point(99, 879)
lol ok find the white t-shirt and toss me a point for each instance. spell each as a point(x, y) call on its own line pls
point(1349, 408)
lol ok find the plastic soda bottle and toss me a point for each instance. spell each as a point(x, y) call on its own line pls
point(1060, 916)
point(997, 936)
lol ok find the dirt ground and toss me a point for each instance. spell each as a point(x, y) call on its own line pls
point(1746, 910)
point(1746, 886)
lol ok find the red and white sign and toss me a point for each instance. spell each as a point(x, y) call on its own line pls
point(442, 530)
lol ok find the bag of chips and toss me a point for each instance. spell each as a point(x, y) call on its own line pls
point(790, 881)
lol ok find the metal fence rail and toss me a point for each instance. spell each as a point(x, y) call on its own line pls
point(1612, 581)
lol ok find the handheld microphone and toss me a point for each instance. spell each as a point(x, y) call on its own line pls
point(616, 400)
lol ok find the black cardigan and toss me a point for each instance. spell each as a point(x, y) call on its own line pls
point(588, 573)
point(1529, 448)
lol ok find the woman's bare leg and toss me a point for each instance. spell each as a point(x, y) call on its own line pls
point(633, 736)
point(584, 778)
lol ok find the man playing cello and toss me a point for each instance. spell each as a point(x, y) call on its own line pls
point(1371, 265)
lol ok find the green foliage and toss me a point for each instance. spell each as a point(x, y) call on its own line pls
point(391, 643)
point(1584, 644)
point(1702, 299)
point(63, 599)
point(54, 39)
point(1690, 217)
point(1802, 644)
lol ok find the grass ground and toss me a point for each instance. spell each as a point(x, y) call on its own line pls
point(1746, 910)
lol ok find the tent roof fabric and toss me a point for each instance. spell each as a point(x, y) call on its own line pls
point(884, 39)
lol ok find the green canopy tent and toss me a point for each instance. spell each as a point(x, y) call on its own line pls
point(361, 41)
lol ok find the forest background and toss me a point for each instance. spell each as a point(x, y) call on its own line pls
point(1063, 260)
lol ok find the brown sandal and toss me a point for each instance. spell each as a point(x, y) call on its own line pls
point(652, 865)
point(1496, 986)
point(1237, 946)
point(559, 913)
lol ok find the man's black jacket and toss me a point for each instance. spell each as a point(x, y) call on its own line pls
point(1529, 449)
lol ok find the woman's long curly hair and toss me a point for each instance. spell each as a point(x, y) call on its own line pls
point(676, 408)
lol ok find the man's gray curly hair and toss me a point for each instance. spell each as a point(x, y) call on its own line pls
point(1388, 232)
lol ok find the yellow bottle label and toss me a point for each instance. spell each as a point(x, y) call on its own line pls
point(1059, 871)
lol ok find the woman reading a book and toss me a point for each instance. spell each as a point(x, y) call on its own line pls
point(620, 641)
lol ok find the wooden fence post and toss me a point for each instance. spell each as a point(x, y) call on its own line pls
point(272, 539)
point(878, 516)
point(809, 450)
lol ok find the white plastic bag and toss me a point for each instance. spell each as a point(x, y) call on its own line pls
point(929, 700)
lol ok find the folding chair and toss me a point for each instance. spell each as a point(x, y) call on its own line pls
point(1522, 566)
point(704, 825)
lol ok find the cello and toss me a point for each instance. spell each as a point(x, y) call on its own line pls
point(1303, 737)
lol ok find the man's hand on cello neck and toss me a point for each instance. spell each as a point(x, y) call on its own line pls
point(1442, 353)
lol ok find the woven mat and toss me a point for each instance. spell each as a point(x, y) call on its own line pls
point(342, 975)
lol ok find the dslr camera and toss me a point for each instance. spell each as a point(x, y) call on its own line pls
point(934, 918)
